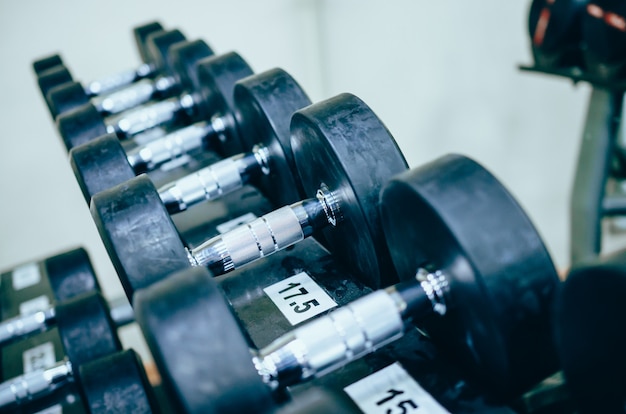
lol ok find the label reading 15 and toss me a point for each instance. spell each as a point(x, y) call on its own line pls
point(392, 391)
point(299, 298)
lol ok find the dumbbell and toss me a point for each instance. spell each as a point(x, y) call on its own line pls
point(604, 32)
point(57, 278)
point(51, 72)
point(62, 93)
point(259, 121)
point(476, 278)
point(26, 306)
point(71, 96)
point(116, 383)
point(198, 103)
point(86, 331)
point(589, 335)
point(343, 154)
point(555, 32)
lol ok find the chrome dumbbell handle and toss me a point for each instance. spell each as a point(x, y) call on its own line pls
point(21, 326)
point(350, 332)
point(113, 82)
point(27, 387)
point(213, 181)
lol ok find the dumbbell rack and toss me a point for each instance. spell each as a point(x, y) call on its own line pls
point(590, 200)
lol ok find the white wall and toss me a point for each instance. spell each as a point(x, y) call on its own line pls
point(442, 75)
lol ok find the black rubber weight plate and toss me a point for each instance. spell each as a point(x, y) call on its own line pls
point(80, 125)
point(183, 58)
point(117, 384)
point(52, 77)
point(590, 336)
point(71, 274)
point(86, 328)
point(63, 98)
point(341, 143)
point(99, 165)
point(198, 347)
point(216, 82)
point(141, 34)
point(158, 45)
point(454, 215)
point(42, 65)
point(264, 105)
point(138, 233)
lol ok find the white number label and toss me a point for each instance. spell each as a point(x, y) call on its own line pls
point(392, 391)
point(25, 276)
point(34, 305)
point(299, 298)
point(231, 224)
point(39, 357)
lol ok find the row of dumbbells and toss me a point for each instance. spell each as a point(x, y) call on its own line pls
point(474, 273)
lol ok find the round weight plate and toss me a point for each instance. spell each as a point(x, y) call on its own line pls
point(203, 358)
point(80, 125)
point(138, 233)
point(554, 28)
point(52, 77)
point(590, 337)
point(264, 105)
point(183, 58)
point(603, 34)
point(64, 98)
point(117, 384)
point(454, 215)
point(141, 34)
point(158, 45)
point(342, 144)
point(86, 328)
point(216, 82)
point(43, 64)
point(100, 164)
point(71, 274)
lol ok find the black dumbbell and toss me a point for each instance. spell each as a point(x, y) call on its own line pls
point(343, 154)
point(20, 327)
point(589, 334)
point(70, 93)
point(59, 277)
point(197, 104)
point(65, 98)
point(476, 277)
point(116, 383)
point(87, 332)
point(259, 121)
point(604, 32)
point(555, 32)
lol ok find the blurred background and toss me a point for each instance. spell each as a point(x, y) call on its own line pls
point(442, 75)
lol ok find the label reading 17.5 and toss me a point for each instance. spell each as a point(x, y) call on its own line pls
point(392, 391)
point(299, 298)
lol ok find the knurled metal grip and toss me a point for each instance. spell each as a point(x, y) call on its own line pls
point(173, 145)
point(261, 237)
point(140, 119)
point(118, 80)
point(127, 98)
point(208, 183)
point(28, 387)
point(21, 326)
point(332, 341)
